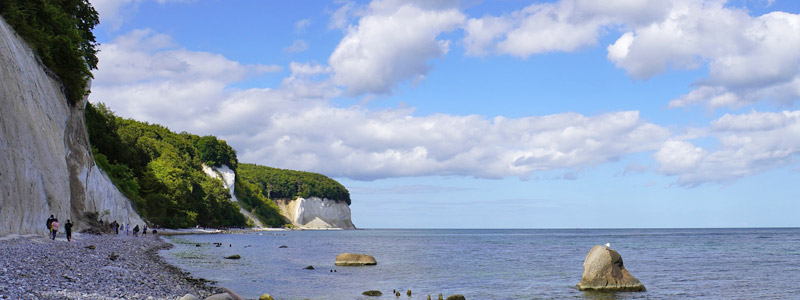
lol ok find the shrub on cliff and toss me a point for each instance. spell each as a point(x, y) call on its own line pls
point(60, 32)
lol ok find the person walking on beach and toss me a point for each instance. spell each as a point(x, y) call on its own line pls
point(127, 228)
point(54, 229)
point(68, 230)
point(144, 229)
point(49, 223)
point(116, 227)
point(136, 231)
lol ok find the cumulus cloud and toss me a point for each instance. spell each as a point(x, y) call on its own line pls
point(294, 125)
point(747, 144)
point(565, 25)
point(749, 58)
point(146, 73)
point(391, 43)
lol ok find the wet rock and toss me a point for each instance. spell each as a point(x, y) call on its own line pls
point(352, 259)
point(283, 246)
point(235, 256)
point(456, 297)
point(372, 293)
point(189, 297)
point(408, 293)
point(90, 247)
point(310, 267)
point(113, 256)
point(265, 296)
point(223, 296)
point(603, 270)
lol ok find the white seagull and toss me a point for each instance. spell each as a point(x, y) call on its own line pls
point(608, 245)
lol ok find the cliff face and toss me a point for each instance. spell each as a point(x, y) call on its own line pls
point(46, 165)
point(228, 178)
point(316, 213)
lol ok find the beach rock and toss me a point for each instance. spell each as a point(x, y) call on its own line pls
point(408, 293)
point(113, 256)
point(309, 267)
point(235, 256)
point(440, 297)
point(456, 297)
point(283, 246)
point(603, 270)
point(373, 293)
point(352, 259)
point(265, 296)
point(90, 247)
point(223, 296)
point(189, 297)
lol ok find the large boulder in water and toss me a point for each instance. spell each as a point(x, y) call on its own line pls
point(603, 271)
point(352, 259)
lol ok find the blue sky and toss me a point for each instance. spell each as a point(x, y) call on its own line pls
point(484, 114)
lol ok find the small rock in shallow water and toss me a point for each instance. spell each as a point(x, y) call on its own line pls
point(373, 293)
point(235, 256)
point(265, 296)
point(310, 267)
point(456, 297)
point(283, 246)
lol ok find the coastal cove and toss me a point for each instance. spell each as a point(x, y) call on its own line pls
point(495, 264)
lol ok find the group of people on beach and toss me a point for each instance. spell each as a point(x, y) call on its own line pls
point(52, 227)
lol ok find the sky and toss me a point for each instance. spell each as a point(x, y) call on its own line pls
point(484, 114)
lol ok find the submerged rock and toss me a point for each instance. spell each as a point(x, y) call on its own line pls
point(189, 297)
point(235, 256)
point(223, 296)
point(265, 296)
point(310, 267)
point(603, 271)
point(352, 259)
point(373, 293)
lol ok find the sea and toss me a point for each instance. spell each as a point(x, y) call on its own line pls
point(734, 263)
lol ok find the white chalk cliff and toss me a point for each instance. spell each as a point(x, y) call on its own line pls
point(316, 213)
point(46, 163)
point(228, 178)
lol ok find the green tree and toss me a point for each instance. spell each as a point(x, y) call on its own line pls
point(60, 33)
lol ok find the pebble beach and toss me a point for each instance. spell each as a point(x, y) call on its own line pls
point(92, 267)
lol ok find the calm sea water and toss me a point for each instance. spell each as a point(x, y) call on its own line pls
point(497, 264)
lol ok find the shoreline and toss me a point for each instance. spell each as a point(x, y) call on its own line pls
point(116, 267)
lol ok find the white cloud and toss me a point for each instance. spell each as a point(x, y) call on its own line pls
point(302, 25)
point(116, 12)
point(747, 144)
point(295, 125)
point(565, 25)
point(392, 43)
point(750, 59)
point(341, 17)
point(296, 46)
point(143, 74)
